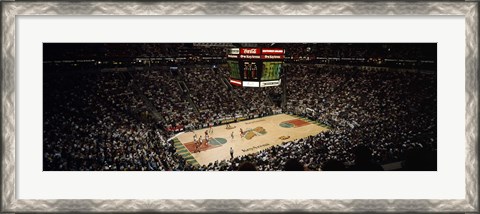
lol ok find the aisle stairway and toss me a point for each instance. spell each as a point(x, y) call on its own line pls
point(145, 100)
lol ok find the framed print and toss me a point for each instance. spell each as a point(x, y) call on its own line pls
point(239, 106)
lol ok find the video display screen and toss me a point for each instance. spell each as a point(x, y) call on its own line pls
point(234, 69)
point(271, 70)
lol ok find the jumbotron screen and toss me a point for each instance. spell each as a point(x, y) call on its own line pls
point(255, 67)
point(271, 70)
point(234, 69)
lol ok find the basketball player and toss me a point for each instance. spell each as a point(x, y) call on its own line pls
point(199, 146)
point(206, 140)
point(231, 153)
point(232, 135)
point(241, 133)
point(211, 128)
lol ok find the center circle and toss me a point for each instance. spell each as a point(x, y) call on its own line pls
point(217, 141)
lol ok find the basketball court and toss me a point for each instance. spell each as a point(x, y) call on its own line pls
point(260, 134)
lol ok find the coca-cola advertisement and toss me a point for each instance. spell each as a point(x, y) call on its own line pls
point(249, 50)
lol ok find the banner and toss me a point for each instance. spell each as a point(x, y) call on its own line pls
point(273, 51)
point(233, 51)
point(270, 83)
point(273, 56)
point(235, 82)
point(250, 57)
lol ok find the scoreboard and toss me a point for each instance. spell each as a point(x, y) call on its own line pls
point(255, 67)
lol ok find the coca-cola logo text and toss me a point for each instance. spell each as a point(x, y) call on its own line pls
point(250, 51)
